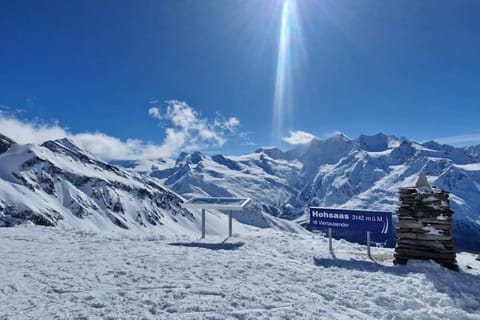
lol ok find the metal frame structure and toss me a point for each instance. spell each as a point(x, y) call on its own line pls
point(217, 203)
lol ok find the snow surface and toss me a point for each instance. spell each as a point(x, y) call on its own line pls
point(58, 273)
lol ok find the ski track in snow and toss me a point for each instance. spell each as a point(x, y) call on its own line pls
point(48, 273)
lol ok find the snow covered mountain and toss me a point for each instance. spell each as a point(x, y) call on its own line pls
point(57, 183)
point(362, 173)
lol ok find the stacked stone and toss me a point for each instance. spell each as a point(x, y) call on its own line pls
point(424, 229)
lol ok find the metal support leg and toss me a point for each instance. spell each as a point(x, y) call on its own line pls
point(330, 239)
point(203, 223)
point(230, 223)
point(368, 244)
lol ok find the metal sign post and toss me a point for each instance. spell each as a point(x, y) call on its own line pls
point(230, 223)
point(330, 239)
point(203, 223)
point(368, 243)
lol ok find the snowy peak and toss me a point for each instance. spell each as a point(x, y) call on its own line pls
point(186, 158)
point(149, 166)
point(328, 151)
point(341, 136)
point(230, 164)
point(5, 143)
point(272, 152)
point(58, 183)
point(67, 147)
point(473, 153)
point(375, 143)
point(435, 145)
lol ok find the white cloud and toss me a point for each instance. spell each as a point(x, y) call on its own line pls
point(188, 130)
point(29, 132)
point(185, 130)
point(298, 137)
point(460, 140)
point(99, 144)
point(231, 124)
point(108, 147)
point(154, 112)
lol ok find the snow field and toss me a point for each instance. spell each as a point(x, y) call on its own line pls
point(50, 273)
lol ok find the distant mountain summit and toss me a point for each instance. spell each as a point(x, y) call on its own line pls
point(362, 173)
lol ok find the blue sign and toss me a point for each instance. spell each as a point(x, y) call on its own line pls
point(358, 220)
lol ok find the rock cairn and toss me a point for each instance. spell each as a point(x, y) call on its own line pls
point(424, 229)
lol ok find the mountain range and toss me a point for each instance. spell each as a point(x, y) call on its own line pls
point(362, 173)
point(59, 184)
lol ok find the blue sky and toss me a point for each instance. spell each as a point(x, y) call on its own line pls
point(408, 68)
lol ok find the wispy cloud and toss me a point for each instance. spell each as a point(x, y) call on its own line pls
point(460, 140)
point(298, 137)
point(184, 130)
point(188, 130)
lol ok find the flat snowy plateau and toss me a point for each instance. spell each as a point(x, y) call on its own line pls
point(55, 273)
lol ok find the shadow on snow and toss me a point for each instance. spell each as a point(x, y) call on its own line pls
point(211, 246)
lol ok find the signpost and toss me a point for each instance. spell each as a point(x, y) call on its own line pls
point(356, 220)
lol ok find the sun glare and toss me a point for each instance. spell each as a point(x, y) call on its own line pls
point(282, 102)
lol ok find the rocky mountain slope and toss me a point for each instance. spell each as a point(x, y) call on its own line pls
point(362, 173)
point(58, 184)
